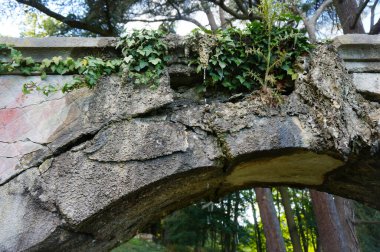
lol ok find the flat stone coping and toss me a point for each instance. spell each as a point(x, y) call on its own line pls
point(360, 52)
point(356, 39)
point(75, 47)
point(59, 42)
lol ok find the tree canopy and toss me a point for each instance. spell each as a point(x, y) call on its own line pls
point(109, 18)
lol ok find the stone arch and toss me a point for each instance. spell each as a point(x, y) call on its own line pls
point(118, 156)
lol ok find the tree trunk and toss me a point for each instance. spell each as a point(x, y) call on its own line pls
point(301, 228)
point(346, 11)
point(328, 223)
point(259, 245)
point(210, 15)
point(227, 234)
point(236, 223)
point(285, 199)
point(274, 240)
point(222, 17)
point(346, 213)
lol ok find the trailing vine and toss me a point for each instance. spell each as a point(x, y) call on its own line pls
point(86, 71)
point(259, 57)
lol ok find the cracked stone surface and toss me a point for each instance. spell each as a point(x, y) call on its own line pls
point(85, 171)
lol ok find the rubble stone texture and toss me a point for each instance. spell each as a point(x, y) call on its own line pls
point(87, 170)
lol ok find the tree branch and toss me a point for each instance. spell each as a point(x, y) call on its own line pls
point(373, 8)
point(310, 24)
point(241, 7)
point(358, 13)
point(320, 10)
point(232, 12)
point(375, 28)
point(70, 22)
point(176, 8)
point(222, 17)
point(111, 28)
point(210, 15)
point(171, 19)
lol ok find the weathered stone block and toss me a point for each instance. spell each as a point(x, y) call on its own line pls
point(75, 47)
point(363, 66)
point(368, 84)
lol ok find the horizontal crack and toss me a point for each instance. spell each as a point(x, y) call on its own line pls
point(31, 105)
point(136, 160)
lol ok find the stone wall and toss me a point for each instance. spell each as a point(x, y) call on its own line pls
point(86, 170)
point(361, 54)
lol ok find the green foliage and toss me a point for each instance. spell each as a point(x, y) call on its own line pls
point(39, 26)
point(87, 70)
point(145, 55)
point(139, 245)
point(181, 229)
point(206, 227)
point(17, 61)
point(368, 233)
point(145, 58)
point(260, 56)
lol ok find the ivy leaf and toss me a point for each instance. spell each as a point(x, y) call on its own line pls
point(45, 63)
point(53, 68)
point(199, 68)
point(43, 76)
point(29, 61)
point(215, 77)
point(143, 64)
point(141, 51)
point(213, 61)
point(292, 74)
point(128, 59)
point(220, 72)
point(222, 64)
point(84, 62)
point(154, 61)
point(25, 89)
point(56, 59)
point(237, 61)
point(247, 85)
point(148, 50)
point(130, 42)
point(241, 79)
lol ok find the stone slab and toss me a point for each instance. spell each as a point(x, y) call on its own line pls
point(367, 52)
point(362, 66)
point(368, 84)
point(75, 47)
point(360, 52)
point(58, 42)
point(356, 39)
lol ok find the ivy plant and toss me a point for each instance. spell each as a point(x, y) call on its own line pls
point(145, 55)
point(86, 71)
point(260, 56)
